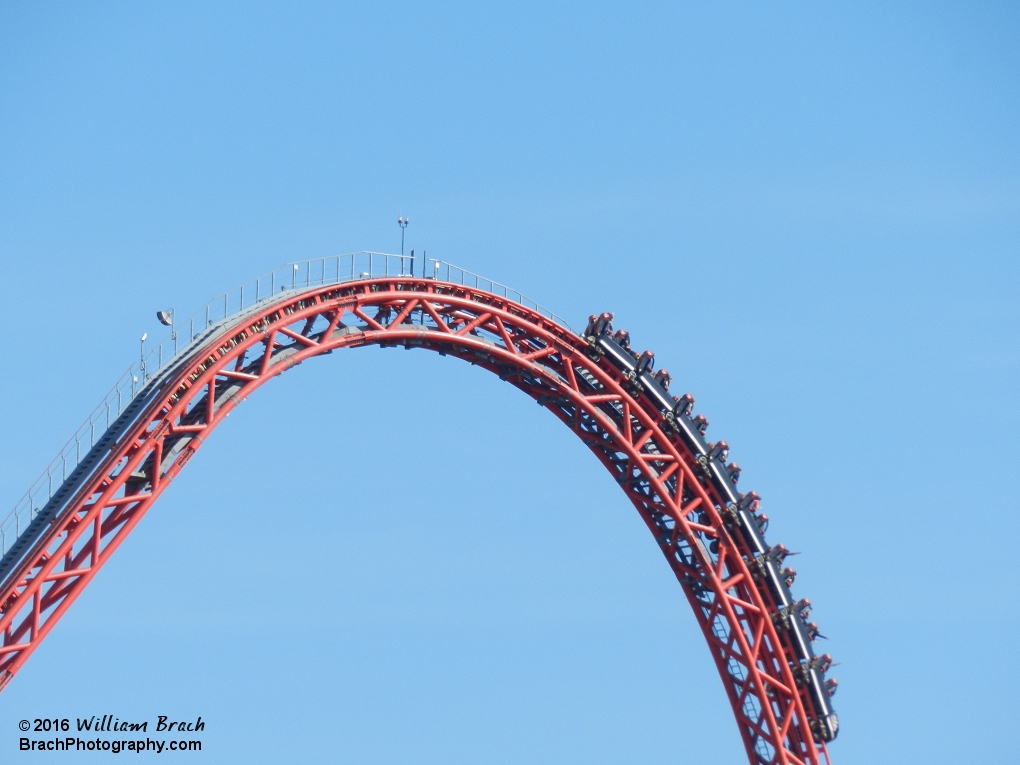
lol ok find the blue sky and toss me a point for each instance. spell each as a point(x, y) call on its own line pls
point(809, 214)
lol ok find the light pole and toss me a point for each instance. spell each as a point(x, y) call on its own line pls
point(143, 338)
point(402, 222)
point(166, 318)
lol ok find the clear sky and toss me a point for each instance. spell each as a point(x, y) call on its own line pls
point(812, 216)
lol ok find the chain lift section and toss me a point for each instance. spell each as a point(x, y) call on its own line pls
point(672, 490)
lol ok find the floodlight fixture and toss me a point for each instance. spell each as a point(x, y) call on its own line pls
point(166, 318)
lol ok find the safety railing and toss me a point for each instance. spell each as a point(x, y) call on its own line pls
point(447, 272)
point(153, 360)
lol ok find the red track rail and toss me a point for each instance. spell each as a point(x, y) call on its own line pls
point(548, 362)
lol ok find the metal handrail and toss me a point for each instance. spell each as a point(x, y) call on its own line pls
point(291, 277)
point(458, 275)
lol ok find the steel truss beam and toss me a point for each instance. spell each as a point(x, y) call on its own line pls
point(624, 430)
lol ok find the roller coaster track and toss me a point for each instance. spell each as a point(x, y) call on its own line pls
point(74, 519)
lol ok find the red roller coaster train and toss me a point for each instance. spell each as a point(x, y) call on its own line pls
point(150, 426)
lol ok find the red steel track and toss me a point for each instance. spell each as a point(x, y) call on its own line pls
point(625, 431)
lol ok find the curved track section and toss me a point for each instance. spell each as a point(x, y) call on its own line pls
point(609, 397)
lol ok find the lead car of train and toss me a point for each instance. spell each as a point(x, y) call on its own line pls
point(765, 560)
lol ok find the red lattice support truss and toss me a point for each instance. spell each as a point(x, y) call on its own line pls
point(548, 362)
